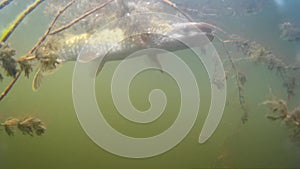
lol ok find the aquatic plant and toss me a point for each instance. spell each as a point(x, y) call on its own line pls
point(7, 32)
point(28, 126)
point(255, 52)
point(241, 80)
point(7, 62)
point(279, 111)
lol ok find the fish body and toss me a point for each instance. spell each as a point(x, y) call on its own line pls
point(117, 43)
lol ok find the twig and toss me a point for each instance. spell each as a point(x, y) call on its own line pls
point(4, 3)
point(179, 10)
point(240, 86)
point(43, 38)
point(80, 18)
point(27, 58)
point(12, 83)
point(18, 20)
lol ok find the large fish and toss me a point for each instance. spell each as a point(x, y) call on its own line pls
point(116, 44)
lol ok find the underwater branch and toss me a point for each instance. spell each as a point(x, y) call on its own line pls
point(18, 20)
point(43, 38)
point(12, 83)
point(240, 82)
point(80, 18)
point(4, 3)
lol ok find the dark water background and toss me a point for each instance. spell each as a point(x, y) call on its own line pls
point(257, 144)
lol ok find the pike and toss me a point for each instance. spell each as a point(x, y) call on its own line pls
point(117, 43)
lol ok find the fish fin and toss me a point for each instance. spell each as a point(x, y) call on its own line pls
point(154, 58)
point(37, 80)
point(100, 67)
point(87, 56)
point(87, 59)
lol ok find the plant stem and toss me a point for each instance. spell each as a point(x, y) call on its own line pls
point(18, 20)
point(43, 38)
point(80, 18)
point(12, 83)
point(4, 3)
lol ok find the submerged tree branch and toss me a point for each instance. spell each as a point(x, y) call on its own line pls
point(18, 20)
point(80, 18)
point(43, 38)
point(240, 81)
point(12, 83)
point(4, 3)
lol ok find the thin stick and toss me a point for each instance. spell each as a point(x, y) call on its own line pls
point(179, 10)
point(4, 3)
point(12, 83)
point(43, 38)
point(19, 19)
point(80, 18)
point(27, 58)
point(240, 88)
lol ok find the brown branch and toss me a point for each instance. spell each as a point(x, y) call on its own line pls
point(18, 20)
point(43, 38)
point(12, 83)
point(4, 3)
point(80, 18)
point(27, 58)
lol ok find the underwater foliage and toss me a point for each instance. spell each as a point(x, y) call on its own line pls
point(257, 53)
point(7, 62)
point(28, 126)
point(279, 111)
point(26, 67)
point(10, 65)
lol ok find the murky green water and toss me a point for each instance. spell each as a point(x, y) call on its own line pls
point(259, 143)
